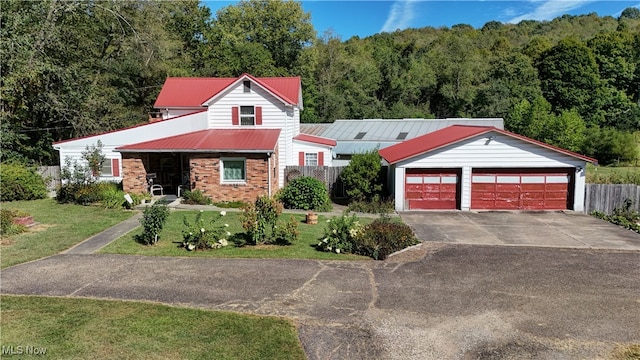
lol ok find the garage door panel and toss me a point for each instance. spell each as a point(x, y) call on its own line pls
point(432, 189)
point(521, 189)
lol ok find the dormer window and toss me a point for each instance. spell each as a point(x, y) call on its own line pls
point(247, 86)
point(247, 115)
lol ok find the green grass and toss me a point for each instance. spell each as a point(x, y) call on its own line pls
point(613, 175)
point(99, 329)
point(171, 237)
point(60, 227)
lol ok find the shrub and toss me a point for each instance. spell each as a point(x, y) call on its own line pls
point(21, 182)
point(306, 193)
point(195, 197)
point(623, 216)
point(230, 204)
point(200, 235)
point(375, 206)
point(362, 178)
point(383, 237)
point(340, 234)
point(153, 220)
point(287, 233)
point(259, 219)
point(7, 226)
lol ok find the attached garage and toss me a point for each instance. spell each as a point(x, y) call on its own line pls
point(432, 189)
point(521, 189)
point(484, 168)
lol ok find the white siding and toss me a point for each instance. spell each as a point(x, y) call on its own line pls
point(500, 152)
point(146, 132)
point(302, 146)
point(275, 115)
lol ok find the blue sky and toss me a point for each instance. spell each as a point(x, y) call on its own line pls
point(365, 18)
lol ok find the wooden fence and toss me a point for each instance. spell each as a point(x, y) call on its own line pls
point(329, 175)
point(51, 175)
point(606, 197)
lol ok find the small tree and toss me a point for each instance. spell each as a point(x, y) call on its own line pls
point(153, 220)
point(259, 219)
point(361, 177)
point(94, 157)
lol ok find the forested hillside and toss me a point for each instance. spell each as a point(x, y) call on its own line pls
point(74, 68)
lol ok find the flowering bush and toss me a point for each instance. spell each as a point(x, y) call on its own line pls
point(340, 234)
point(287, 233)
point(201, 236)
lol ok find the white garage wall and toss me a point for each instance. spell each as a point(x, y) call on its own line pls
point(500, 152)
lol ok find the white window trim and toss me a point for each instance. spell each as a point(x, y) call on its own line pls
point(222, 179)
point(241, 116)
point(306, 163)
point(110, 163)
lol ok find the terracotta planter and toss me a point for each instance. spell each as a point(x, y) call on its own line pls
point(25, 220)
point(312, 218)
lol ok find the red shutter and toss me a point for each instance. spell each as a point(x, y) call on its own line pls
point(234, 116)
point(301, 158)
point(258, 115)
point(321, 158)
point(115, 167)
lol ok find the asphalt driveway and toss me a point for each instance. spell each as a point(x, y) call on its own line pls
point(543, 229)
point(435, 301)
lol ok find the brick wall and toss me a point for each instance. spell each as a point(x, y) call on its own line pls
point(205, 176)
point(134, 173)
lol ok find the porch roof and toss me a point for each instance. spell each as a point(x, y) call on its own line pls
point(213, 140)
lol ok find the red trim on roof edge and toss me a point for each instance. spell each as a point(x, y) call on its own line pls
point(127, 128)
point(315, 139)
point(454, 134)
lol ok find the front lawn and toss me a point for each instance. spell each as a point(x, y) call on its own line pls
point(171, 238)
point(60, 226)
point(63, 328)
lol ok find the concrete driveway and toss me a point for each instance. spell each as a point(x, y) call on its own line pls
point(548, 229)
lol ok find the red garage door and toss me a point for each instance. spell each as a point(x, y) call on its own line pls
point(521, 189)
point(432, 189)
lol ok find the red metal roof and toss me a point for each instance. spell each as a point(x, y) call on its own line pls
point(224, 140)
point(193, 92)
point(453, 134)
point(315, 139)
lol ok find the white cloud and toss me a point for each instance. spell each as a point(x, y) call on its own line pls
point(400, 16)
point(550, 9)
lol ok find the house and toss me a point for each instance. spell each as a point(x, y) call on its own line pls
point(232, 138)
point(484, 168)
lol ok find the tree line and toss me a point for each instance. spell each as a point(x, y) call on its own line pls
point(76, 68)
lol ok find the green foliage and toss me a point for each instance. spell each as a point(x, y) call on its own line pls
point(613, 175)
point(363, 176)
point(287, 233)
point(7, 225)
point(21, 182)
point(383, 237)
point(340, 234)
point(376, 206)
point(201, 235)
point(94, 157)
point(259, 219)
point(195, 197)
point(230, 204)
point(624, 216)
point(610, 146)
point(153, 220)
point(306, 193)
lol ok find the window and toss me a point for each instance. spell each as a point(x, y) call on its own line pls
point(105, 169)
point(247, 115)
point(233, 170)
point(311, 159)
point(247, 86)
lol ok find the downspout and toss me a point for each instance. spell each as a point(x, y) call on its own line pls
point(269, 173)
